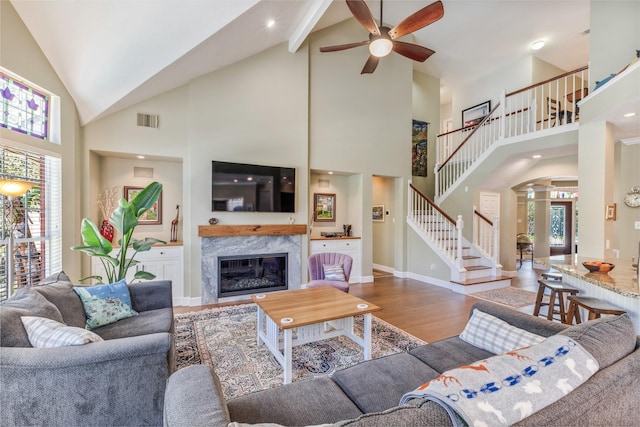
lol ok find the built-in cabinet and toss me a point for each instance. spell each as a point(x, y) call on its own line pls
point(351, 246)
point(164, 261)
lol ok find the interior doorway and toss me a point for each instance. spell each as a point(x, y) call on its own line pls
point(561, 225)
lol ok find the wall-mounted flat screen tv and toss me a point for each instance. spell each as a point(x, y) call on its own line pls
point(239, 187)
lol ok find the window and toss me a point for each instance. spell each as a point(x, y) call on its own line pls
point(24, 108)
point(33, 220)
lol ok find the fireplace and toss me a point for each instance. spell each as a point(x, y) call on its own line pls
point(247, 274)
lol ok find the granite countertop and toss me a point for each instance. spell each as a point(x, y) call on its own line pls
point(623, 279)
point(333, 238)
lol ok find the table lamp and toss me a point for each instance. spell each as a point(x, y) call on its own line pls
point(12, 188)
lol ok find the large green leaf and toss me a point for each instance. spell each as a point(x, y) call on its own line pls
point(92, 238)
point(144, 275)
point(124, 217)
point(146, 244)
point(145, 199)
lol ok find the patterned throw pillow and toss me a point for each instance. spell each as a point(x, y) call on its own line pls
point(47, 333)
point(334, 272)
point(105, 304)
point(495, 335)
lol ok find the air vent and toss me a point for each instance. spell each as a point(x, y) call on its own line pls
point(148, 120)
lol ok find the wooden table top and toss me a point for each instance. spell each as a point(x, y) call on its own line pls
point(311, 305)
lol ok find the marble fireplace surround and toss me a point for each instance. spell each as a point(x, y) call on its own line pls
point(230, 240)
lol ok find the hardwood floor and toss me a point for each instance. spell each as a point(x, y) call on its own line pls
point(426, 311)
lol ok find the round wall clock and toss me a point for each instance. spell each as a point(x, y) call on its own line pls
point(632, 199)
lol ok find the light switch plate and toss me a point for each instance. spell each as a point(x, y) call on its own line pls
point(637, 225)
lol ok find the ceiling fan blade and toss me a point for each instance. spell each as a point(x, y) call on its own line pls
point(371, 65)
point(420, 19)
point(343, 46)
point(412, 51)
point(361, 12)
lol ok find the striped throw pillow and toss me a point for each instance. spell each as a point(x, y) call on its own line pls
point(334, 272)
point(495, 335)
point(47, 333)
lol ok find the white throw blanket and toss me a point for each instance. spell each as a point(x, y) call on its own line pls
point(506, 388)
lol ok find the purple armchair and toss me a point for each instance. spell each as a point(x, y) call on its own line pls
point(317, 272)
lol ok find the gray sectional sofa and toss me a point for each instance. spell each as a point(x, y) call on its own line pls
point(116, 382)
point(368, 394)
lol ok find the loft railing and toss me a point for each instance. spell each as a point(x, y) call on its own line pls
point(442, 230)
point(551, 103)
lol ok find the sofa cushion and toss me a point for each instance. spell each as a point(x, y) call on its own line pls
point(25, 302)
point(608, 339)
point(378, 384)
point(417, 412)
point(60, 276)
point(100, 310)
point(449, 353)
point(146, 322)
point(301, 403)
point(68, 302)
point(47, 333)
point(117, 290)
point(495, 335)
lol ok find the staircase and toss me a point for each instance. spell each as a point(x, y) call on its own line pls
point(473, 265)
point(520, 115)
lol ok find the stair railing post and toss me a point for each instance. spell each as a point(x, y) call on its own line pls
point(410, 211)
point(503, 114)
point(459, 227)
point(437, 175)
point(532, 113)
point(496, 245)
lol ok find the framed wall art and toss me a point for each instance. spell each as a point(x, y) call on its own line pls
point(324, 207)
point(153, 215)
point(474, 115)
point(419, 148)
point(377, 213)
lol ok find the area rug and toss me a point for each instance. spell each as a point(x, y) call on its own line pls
point(225, 339)
point(512, 297)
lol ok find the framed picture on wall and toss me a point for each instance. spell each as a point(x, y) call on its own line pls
point(377, 213)
point(324, 207)
point(474, 115)
point(151, 216)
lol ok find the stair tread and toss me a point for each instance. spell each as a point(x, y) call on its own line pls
point(478, 280)
point(477, 267)
point(470, 257)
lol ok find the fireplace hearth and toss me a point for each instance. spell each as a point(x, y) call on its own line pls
point(247, 274)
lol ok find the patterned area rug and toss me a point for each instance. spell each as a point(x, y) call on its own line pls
point(225, 338)
point(513, 297)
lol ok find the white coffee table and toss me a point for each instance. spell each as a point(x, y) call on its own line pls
point(315, 314)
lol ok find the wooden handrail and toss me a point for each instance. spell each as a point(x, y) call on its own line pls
point(568, 73)
point(443, 213)
point(468, 136)
point(487, 220)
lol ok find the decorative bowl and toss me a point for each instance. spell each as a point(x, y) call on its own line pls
point(598, 266)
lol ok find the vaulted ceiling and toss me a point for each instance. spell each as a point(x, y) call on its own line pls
point(111, 54)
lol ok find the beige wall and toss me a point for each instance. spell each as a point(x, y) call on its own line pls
point(426, 107)
point(21, 55)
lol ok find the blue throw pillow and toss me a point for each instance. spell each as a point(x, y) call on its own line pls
point(105, 304)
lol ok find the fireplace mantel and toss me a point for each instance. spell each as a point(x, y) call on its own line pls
point(251, 230)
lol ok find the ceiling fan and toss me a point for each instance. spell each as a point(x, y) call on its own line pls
point(382, 40)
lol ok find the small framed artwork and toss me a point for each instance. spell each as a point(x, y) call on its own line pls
point(151, 216)
point(377, 213)
point(610, 213)
point(324, 207)
point(474, 115)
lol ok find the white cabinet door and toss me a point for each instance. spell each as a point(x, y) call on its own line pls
point(163, 261)
point(350, 247)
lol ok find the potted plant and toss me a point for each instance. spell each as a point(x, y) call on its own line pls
point(125, 219)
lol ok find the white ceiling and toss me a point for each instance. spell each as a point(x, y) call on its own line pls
point(111, 54)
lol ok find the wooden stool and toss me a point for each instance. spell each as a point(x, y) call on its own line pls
point(594, 306)
point(556, 299)
point(553, 275)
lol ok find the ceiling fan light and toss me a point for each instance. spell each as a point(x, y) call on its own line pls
point(380, 47)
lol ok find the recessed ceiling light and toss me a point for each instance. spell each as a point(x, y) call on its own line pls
point(536, 156)
point(537, 45)
point(630, 114)
point(140, 157)
point(271, 23)
point(330, 173)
